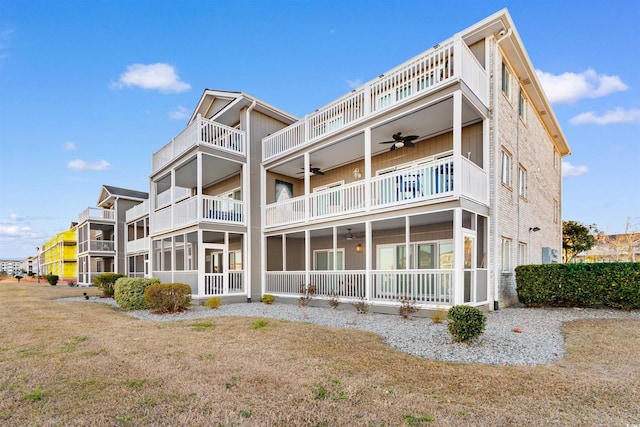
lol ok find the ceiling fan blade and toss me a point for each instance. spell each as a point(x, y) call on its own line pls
point(393, 147)
point(409, 144)
point(410, 138)
point(388, 142)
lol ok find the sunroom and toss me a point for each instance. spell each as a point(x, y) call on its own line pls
point(434, 259)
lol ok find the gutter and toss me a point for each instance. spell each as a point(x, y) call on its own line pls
point(496, 150)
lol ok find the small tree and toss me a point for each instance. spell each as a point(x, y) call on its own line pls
point(577, 238)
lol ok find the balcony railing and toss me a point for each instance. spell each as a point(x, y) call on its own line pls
point(96, 214)
point(450, 61)
point(138, 211)
point(197, 209)
point(138, 245)
point(428, 182)
point(421, 286)
point(201, 132)
point(97, 246)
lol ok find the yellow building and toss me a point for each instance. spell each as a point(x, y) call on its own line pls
point(59, 255)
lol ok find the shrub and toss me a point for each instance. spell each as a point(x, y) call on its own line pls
point(579, 285)
point(465, 322)
point(52, 279)
point(407, 308)
point(129, 292)
point(268, 299)
point(259, 324)
point(168, 297)
point(307, 291)
point(362, 306)
point(213, 303)
point(439, 316)
point(106, 282)
point(334, 302)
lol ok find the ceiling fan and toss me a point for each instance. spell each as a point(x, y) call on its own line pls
point(313, 171)
point(400, 141)
point(349, 236)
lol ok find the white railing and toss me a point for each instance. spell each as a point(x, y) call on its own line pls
point(422, 286)
point(284, 282)
point(285, 212)
point(185, 212)
point(96, 213)
point(474, 181)
point(337, 200)
point(138, 211)
point(200, 132)
point(163, 199)
point(428, 181)
point(138, 245)
point(236, 282)
point(426, 72)
point(222, 209)
point(102, 245)
point(213, 284)
point(350, 284)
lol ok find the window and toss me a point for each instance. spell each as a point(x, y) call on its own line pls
point(323, 259)
point(523, 256)
point(522, 182)
point(506, 254)
point(522, 106)
point(506, 168)
point(506, 80)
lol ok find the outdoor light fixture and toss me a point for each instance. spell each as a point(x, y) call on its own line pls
point(358, 247)
point(356, 173)
point(534, 229)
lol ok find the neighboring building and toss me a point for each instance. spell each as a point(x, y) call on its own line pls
point(205, 217)
point(59, 255)
point(30, 265)
point(613, 248)
point(101, 233)
point(431, 182)
point(10, 267)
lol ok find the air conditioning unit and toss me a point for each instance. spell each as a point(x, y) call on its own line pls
point(549, 256)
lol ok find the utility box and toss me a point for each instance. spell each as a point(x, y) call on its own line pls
point(549, 256)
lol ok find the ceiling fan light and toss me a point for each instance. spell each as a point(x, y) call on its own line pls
point(399, 144)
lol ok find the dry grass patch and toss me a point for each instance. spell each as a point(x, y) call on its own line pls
point(71, 363)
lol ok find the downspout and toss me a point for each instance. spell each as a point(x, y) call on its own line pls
point(248, 268)
point(496, 150)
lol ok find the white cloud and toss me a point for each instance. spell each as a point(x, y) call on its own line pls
point(81, 165)
point(568, 87)
point(69, 146)
point(569, 170)
point(619, 115)
point(161, 77)
point(179, 113)
point(354, 83)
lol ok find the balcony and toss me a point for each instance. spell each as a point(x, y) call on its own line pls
point(201, 132)
point(196, 209)
point(97, 214)
point(449, 62)
point(138, 211)
point(427, 183)
point(107, 247)
point(138, 245)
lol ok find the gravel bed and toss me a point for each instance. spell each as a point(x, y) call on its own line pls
point(540, 340)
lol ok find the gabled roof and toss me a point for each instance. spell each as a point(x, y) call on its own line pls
point(109, 193)
point(502, 27)
point(225, 106)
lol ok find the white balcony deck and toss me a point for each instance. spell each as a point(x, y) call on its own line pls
point(201, 132)
point(451, 61)
point(138, 211)
point(428, 182)
point(97, 214)
point(138, 245)
point(197, 209)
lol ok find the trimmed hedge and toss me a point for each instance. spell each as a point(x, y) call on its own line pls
point(168, 297)
point(580, 285)
point(129, 292)
point(465, 323)
point(52, 279)
point(106, 282)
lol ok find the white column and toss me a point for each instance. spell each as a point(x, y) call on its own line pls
point(368, 254)
point(458, 257)
point(307, 187)
point(457, 143)
point(307, 257)
point(367, 167)
point(201, 263)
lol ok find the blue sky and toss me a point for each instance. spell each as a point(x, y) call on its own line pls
point(90, 89)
